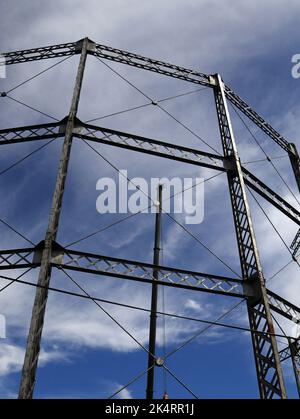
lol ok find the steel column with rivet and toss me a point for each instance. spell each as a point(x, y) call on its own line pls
point(38, 312)
point(295, 356)
point(268, 367)
point(153, 315)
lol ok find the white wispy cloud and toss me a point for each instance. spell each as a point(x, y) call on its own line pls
point(193, 305)
point(12, 357)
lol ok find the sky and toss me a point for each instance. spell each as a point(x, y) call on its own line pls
point(84, 354)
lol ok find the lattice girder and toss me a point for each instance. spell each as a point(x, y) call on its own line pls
point(269, 372)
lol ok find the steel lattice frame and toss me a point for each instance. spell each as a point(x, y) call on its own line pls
point(269, 373)
point(48, 254)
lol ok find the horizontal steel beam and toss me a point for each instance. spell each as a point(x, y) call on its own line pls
point(284, 307)
point(42, 53)
point(108, 53)
point(63, 258)
point(186, 155)
point(157, 66)
point(262, 189)
point(121, 268)
point(30, 133)
point(17, 258)
point(150, 146)
point(143, 272)
point(114, 138)
point(192, 76)
point(258, 120)
point(147, 146)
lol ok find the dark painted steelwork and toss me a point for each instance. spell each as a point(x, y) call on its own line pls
point(49, 255)
point(36, 54)
point(92, 263)
point(39, 307)
point(157, 66)
point(295, 356)
point(274, 198)
point(154, 293)
point(268, 367)
point(30, 133)
point(284, 307)
point(148, 146)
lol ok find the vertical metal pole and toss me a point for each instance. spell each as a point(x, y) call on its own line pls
point(39, 307)
point(268, 367)
point(295, 355)
point(153, 315)
point(294, 345)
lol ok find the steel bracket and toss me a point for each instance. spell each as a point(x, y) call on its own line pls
point(57, 253)
point(90, 46)
point(77, 129)
point(252, 289)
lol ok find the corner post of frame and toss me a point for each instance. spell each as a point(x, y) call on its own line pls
point(39, 307)
point(268, 367)
point(294, 346)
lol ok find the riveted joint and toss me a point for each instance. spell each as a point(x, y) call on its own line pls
point(229, 164)
point(216, 81)
point(79, 45)
point(57, 253)
point(252, 290)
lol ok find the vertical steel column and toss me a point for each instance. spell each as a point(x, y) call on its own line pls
point(153, 315)
point(294, 345)
point(295, 355)
point(269, 372)
point(295, 162)
point(39, 307)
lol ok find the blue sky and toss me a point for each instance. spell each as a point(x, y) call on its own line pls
point(85, 354)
